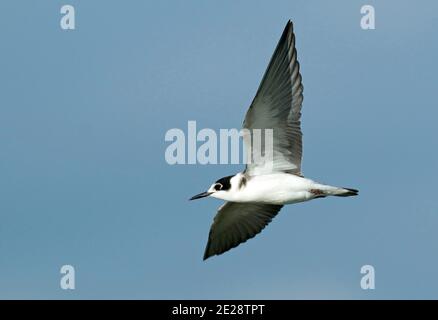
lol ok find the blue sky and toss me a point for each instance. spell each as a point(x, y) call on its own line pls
point(84, 182)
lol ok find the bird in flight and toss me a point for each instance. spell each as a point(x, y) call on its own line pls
point(256, 195)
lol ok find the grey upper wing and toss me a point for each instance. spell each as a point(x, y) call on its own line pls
point(237, 222)
point(277, 106)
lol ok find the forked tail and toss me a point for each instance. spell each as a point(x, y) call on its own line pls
point(322, 191)
point(346, 192)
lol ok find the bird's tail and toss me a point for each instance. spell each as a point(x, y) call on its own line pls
point(346, 192)
point(325, 190)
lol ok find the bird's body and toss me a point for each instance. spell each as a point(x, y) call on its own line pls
point(255, 196)
point(276, 188)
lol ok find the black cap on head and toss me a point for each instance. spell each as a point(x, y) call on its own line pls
point(225, 182)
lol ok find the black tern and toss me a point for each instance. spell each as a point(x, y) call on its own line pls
point(256, 195)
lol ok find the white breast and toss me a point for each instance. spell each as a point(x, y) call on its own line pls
point(278, 188)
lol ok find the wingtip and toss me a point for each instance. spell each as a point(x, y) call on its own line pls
point(206, 256)
point(289, 27)
point(207, 249)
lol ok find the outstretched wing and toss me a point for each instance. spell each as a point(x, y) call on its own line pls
point(237, 222)
point(277, 106)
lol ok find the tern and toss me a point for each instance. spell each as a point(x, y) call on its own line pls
point(256, 195)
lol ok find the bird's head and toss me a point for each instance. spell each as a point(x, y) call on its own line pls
point(220, 189)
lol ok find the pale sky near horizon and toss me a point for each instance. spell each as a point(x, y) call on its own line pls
point(83, 179)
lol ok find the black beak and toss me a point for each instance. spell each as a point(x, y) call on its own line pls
point(201, 195)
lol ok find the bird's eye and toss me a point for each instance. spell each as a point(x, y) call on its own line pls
point(217, 186)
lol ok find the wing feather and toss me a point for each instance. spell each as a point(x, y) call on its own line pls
point(277, 106)
point(237, 222)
